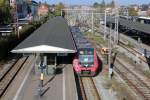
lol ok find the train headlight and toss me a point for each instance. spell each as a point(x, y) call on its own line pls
point(86, 65)
point(81, 52)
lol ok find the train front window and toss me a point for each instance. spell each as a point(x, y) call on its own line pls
point(86, 57)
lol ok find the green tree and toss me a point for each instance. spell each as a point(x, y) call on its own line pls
point(2, 3)
point(60, 6)
point(58, 9)
point(5, 13)
point(103, 4)
point(95, 5)
point(99, 5)
point(132, 12)
point(112, 4)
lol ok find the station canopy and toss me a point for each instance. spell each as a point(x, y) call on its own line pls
point(54, 36)
point(133, 25)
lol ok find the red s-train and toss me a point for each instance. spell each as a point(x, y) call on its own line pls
point(86, 62)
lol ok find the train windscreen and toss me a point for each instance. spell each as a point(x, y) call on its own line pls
point(86, 57)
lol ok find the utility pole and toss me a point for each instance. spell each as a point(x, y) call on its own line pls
point(116, 24)
point(105, 26)
point(116, 27)
point(92, 23)
point(109, 54)
point(16, 20)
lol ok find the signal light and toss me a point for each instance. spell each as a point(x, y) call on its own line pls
point(104, 51)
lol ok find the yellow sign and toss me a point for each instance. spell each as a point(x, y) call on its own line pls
point(42, 76)
point(104, 51)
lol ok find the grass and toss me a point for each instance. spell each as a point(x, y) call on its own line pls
point(118, 87)
point(147, 73)
point(130, 45)
point(95, 38)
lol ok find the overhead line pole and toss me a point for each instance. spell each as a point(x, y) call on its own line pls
point(116, 25)
point(16, 20)
point(92, 23)
point(109, 54)
point(117, 34)
point(105, 26)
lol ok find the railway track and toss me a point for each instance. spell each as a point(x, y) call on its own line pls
point(2, 74)
point(132, 51)
point(133, 80)
point(139, 86)
point(10, 74)
point(88, 89)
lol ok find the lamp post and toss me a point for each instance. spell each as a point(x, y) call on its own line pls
point(16, 20)
point(105, 25)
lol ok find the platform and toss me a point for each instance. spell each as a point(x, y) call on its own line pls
point(56, 87)
point(60, 86)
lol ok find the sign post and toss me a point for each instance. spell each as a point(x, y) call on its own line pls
point(42, 67)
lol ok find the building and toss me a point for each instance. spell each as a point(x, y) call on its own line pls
point(33, 13)
point(21, 6)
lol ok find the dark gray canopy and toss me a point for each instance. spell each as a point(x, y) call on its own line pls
point(52, 37)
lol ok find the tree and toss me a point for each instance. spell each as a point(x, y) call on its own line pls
point(112, 4)
point(2, 3)
point(5, 13)
point(132, 12)
point(58, 9)
point(95, 5)
point(103, 4)
point(60, 6)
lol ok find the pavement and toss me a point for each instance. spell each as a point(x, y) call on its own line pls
point(60, 86)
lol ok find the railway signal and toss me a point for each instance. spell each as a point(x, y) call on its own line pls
point(104, 51)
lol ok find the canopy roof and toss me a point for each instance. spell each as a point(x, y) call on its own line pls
point(52, 37)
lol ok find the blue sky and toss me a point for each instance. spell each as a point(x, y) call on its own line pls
point(90, 2)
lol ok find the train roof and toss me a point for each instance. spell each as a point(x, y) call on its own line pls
point(54, 36)
point(80, 40)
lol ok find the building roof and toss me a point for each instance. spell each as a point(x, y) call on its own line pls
point(133, 25)
point(52, 37)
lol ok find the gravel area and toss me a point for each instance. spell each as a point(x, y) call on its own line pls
point(106, 94)
point(117, 89)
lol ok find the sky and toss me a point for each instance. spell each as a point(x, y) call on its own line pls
point(91, 2)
